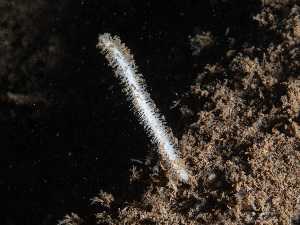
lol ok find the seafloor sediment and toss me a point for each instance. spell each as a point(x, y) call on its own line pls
point(66, 130)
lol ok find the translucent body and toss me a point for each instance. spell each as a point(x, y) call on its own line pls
point(122, 61)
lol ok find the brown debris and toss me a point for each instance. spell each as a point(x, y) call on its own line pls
point(243, 145)
point(104, 199)
point(201, 42)
point(74, 219)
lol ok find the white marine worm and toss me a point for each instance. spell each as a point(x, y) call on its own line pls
point(119, 57)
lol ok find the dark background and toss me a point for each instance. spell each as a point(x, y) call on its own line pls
point(54, 163)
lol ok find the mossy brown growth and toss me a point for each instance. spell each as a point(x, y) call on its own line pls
point(243, 145)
